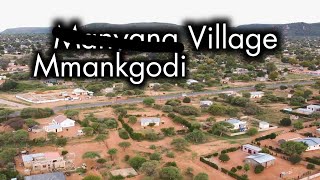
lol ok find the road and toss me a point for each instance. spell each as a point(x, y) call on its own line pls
point(173, 96)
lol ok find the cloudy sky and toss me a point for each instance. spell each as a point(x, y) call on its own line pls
point(40, 13)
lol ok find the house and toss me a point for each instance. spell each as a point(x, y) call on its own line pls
point(35, 129)
point(263, 159)
point(53, 128)
point(313, 107)
point(250, 149)
point(152, 85)
point(50, 176)
point(237, 124)
point(261, 79)
point(63, 121)
point(124, 172)
point(256, 94)
point(206, 103)
point(43, 161)
point(304, 111)
point(191, 81)
point(312, 143)
point(150, 120)
point(79, 92)
point(3, 77)
point(264, 125)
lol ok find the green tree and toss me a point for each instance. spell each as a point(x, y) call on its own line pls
point(150, 168)
point(155, 156)
point(7, 155)
point(101, 137)
point(246, 167)
point(52, 136)
point(252, 131)
point(170, 173)
point(61, 141)
point(196, 136)
point(148, 101)
point(285, 122)
point(298, 125)
point(201, 176)
point(124, 145)
point(112, 152)
point(88, 131)
point(293, 147)
point(258, 169)
point(72, 114)
point(92, 177)
point(224, 157)
point(179, 144)
point(273, 75)
point(132, 119)
point(90, 155)
point(167, 108)
point(259, 87)
point(186, 100)
point(5, 113)
point(221, 127)
point(136, 162)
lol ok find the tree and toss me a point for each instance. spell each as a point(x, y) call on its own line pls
point(293, 147)
point(148, 101)
point(20, 136)
point(295, 159)
point(170, 173)
point(196, 136)
point(101, 137)
point(88, 131)
point(311, 166)
point(9, 85)
point(167, 108)
point(136, 162)
point(132, 119)
point(201, 176)
point(168, 131)
point(297, 101)
point(252, 109)
point(260, 86)
point(61, 141)
point(52, 136)
point(220, 127)
point(112, 152)
point(258, 169)
point(90, 155)
point(72, 114)
point(92, 177)
point(224, 157)
point(180, 144)
point(30, 122)
point(186, 110)
point(246, 167)
point(150, 168)
point(7, 155)
point(124, 145)
point(273, 75)
point(186, 100)
point(298, 125)
point(5, 113)
point(252, 131)
point(285, 122)
point(271, 67)
point(155, 156)
point(123, 134)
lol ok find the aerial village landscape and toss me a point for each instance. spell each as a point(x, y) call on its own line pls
point(231, 119)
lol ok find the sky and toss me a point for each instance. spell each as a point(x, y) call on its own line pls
point(41, 13)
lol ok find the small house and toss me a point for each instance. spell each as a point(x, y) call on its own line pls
point(150, 121)
point(256, 94)
point(313, 107)
point(63, 121)
point(312, 143)
point(79, 92)
point(263, 159)
point(53, 128)
point(250, 149)
point(205, 103)
point(264, 125)
point(304, 111)
point(237, 124)
point(51, 176)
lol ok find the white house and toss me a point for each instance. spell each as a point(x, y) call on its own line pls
point(79, 91)
point(250, 149)
point(206, 103)
point(237, 124)
point(256, 94)
point(63, 121)
point(263, 159)
point(313, 107)
point(264, 125)
point(191, 81)
point(53, 128)
point(304, 111)
point(313, 143)
point(150, 120)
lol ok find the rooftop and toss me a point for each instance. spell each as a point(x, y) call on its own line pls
point(261, 157)
point(252, 147)
point(235, 121)
point(47, 155)
point(314, 106)
point(61, 118)
point(48, 176)
point(124, 172)
point(256, 93)
point(150, 120)
point(310, 141)
point(54, 126)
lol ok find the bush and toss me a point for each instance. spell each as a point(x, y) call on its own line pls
point(170, 154)
point(313, 160)
point(186, 110)
point(258, 169)
point(285, 122)
point(294, 159)
point(186, 100)
point(136, 162)
point(167, 164)
point(167, 108)
point(36, 113)
point(232, 149)
point(269, 136)
point(132, 119)
point(155, 156)
point(61, 141)
point(311, 166)
point(64, 152)
point(123, 134)
point(90, 155)
point(148, 101)
point(209, 163)
point(101, 160)
point(233, 169)
point(252, 131)
point(239, 167)
point(173, 102)
point(224, 157)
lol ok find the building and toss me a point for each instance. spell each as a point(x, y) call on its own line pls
point(205, 103)
point(63, 121)
point(264, 125)
point(237, 124)
point(124, 172)
point(79, 92)
point(250, 149)
point(256, 94)
point(35, 129)
point(48, 161)
point(53, 128)
point(47, 176)
point(312, 143)
point(150, 120)
point(303, 111)
point(313, 107)
point(191, 81)
point(152, 85)
point(318, 131)
point(263, 159)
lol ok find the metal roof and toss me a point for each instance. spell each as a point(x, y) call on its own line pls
point(30, 157)
point(256, 93)
point(314, 106)
point(235, 121)
point(54, 126)
point(48, 176)
point(249, 146)
point(310, 141)
point(150, 120)
point(261, 157)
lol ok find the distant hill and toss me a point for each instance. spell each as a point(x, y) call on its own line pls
point(292, 29)
point(27, 30)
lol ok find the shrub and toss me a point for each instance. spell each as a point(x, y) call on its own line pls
point(239, 167)
point(252, 131)
point(173, 102)
point(167, 164)
point(258, 169)
point(313, 160)
point(209, 163)
point(170, 154)
point(101, 160)
point(295, 159)
point(148, 101)
point(186, 100)
point(186, 110)
point(123, 134)
point(136, 162)
point(285, 122)
point(233, 169)
point(224, 157)
point(167, 108)
point(132, 119)
point(155, 156)
point(311, 166)
point(64, 152)
point(36, 113)
point(90, 155)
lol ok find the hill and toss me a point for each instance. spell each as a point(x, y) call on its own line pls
point(27, 30)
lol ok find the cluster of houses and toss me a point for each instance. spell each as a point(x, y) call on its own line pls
point(256, 157)
point(310, 109)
